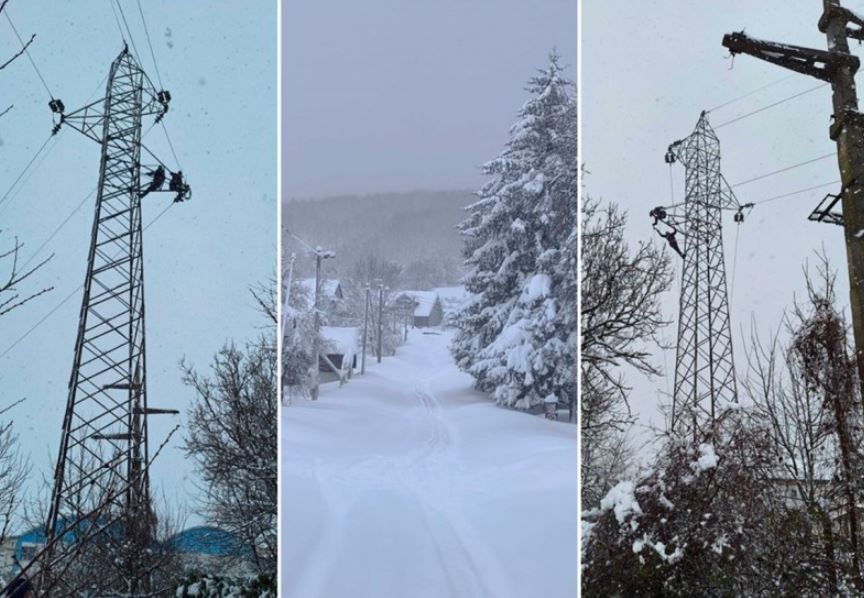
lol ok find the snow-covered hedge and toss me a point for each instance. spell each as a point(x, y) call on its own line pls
point(209, 586)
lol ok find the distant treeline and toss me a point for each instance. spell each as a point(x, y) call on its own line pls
point(415, 229)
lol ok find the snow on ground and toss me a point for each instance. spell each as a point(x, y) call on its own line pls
point(407, 483)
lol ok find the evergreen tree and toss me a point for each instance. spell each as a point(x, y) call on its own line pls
point(516, 336)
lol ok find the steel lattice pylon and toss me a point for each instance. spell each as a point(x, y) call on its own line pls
point(100, 504)
point(704, 368)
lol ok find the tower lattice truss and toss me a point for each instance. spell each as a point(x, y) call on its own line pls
point(704, 368)
point(100, 521)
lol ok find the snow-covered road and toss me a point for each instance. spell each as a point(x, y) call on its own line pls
point(406, 483)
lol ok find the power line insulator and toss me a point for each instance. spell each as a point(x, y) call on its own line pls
point(670, 157)
point(658, 213)
point(57, 106)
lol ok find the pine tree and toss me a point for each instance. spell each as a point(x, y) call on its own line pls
point(517, 334)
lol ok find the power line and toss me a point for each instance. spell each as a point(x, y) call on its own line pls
point(23, 172)
point(128, 30)
point(117, 20)
point(71, 214)
point(27, 52)
point(750, 93)
point(67, 297)
point(799, 191)
point(150, 43)
point(786, 169)
point(777, 103)
point(57, 230)
point(170, 145)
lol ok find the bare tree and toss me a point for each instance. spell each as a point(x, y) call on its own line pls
point(12, 272)
point(14, 471)
point(15, 56)
point(232, 436)
point(807, 392)
point(15, 274)
point(620, 317)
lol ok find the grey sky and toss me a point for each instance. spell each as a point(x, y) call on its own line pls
point(219, 62)
point(388, 95)
point(649, 69)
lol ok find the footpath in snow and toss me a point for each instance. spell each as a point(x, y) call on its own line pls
point(406, 483)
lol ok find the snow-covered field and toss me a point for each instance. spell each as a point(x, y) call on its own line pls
point(406, 483)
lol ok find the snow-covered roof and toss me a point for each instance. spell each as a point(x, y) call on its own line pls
point(341, 339)
point(424, 301)
point(328, 287)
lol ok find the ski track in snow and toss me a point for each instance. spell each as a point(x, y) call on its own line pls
point(392, 522)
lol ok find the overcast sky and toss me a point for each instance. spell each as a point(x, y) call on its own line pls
point(220, 66)
point(649, 69)
point(388, 95)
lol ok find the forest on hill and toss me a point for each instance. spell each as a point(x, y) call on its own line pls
point(415, 230)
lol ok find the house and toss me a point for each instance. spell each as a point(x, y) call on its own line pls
point(211, 550)
point(203, 548)
point(340, 344)
point(331, 290)
point(428, 310)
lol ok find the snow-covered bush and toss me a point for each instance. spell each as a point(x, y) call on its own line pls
point(515, 335)
point(208, 586)
point(701, 522)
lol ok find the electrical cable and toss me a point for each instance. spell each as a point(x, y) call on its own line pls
point(799, 191)
point(786, 169)
point(777, 103)
point(26, 168)
point(750, 93)
point(734, 263)
point(150, 43)
point(27, 52)
point(128, 30)
point(67, 297)
point(58, 228)
point(117, 20)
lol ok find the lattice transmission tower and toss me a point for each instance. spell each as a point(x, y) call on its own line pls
point(100, 521)
point(704, 368)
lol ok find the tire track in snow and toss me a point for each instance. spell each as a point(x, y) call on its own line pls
point(430, 476)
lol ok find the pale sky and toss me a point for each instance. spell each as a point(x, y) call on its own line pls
point(219, 62)
point(388, 95)
point(649, 68)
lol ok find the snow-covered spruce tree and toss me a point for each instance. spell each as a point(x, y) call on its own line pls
point(298, 344)
point(514, 336)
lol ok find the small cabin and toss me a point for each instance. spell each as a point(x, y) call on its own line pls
point(340, 344)
point(331, 290)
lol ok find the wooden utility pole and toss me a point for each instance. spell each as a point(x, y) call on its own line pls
point(320, 256)
point(837, 67)
point(365, 329)
point(287, 302)
point(380, 319)
point(316, 377)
